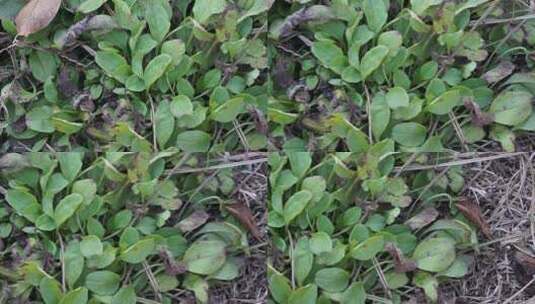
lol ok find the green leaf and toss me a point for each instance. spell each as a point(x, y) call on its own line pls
point(87, 188)
point(24, 203)
point(156, 68)
point(125, 295)
point(279, 287)
point(70, 164)
point(428, 283)
point(174, 48)
point(90, 5)
point(164, 123)
point(138, 252)
point(330, 55)
point(304, 295)
point(204, 9)
point(50, 290)
point(74, 265)
point(367, 249)
point(511, 108)
point(296, 204)
point(103, 283)
point(158, 18)
point(43, 64)
point(380, 116)
point(229, 110)
point(39, 119)
point(194, 141)
point(392, 40)
point(376, 13)
point(181, 105)
point(445, 102)
point(409, 134)
point(10, 8)
point(320, 242)
point(354, 294)
point(300, 163)
point(332, 279)
point(397, 97)
point(90, 246)
point(419, 6)
point(205, 256)
point(76, 296)
point(113, 64)
point(434, 254)
point(66, 208)
point(372, 59)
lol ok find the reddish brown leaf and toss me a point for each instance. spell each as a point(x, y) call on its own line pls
point(479, 118)
point(422, 219)
point(524, 270)
point(245, 216)
point(473, 213)
point(401, 263)
point(36, 15)
point(194, 221)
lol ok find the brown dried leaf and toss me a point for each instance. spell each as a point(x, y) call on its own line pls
point(245, 216)
point(524, 269)
point(473, 213)
point(36, 15)
point(479, 118)
point(501, 71)
point(401, 263)
point(194, 221)
point(318, 13)
point(422, 219)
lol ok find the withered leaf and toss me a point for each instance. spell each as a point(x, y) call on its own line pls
point(245, 216)
point(479, 118)
point(422, 219)
point(401, 263)
point(194, 221)
point(473, 213)
point(501, 71)
point(524, 269)
point(36, 15)
point(319, 13)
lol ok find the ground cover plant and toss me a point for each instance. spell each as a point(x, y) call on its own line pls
point(140, 75)
point(125, 228)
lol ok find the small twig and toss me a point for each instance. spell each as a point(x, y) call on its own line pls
point(62, 259)
point(382, 277)
point(219, 166)
point(520, 291)
point(152, 281)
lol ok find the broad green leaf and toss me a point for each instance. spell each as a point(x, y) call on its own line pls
point(419, 6)
point(279, 287)
point(409, 134)
point(397, 98)
point(43, 64)
point(392, 40)
point(330, 55)
point(50, 290)
point(434, 254)
point(156, 68)
point(113, 64)
point(354, 294)
point(181, 105)
point(90, 5)
point(229, 110)
point(445, 102)
point(87, 188)
point(164, 123)
point(205, 256)
point(512, 107)
point(91, 246)
point(194, 141)
point(24, 203)
point(204, 9)
point(332, 279)
point(125, 295)
point(66, 208)
point(380, 116)
point(304, 295)
point(138, 252)
point(320, 242)
point(10, 8)
point(74, 265)
point(300, 163)
point(76, 296)
point(428, 283)
point(367, 249)
point(376, 12)
point(70, 164)
point(296, 204)
point(103, 283)
point(372, 59)
point(174, 48)
point(40, 119)
point(158, 18)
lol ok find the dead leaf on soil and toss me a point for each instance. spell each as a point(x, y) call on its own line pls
point(525, 270)
point(401, 263)
point(194, 221)
point(501, 71)
point(473, 213)
point(422, 219)
point(36, 15)
point(245, 216)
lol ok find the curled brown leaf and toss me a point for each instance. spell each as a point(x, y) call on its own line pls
point(422, 219)
point(243, 214)
point(36, 15)
point(194, 221)
point(472, 212)
point(479, 118)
